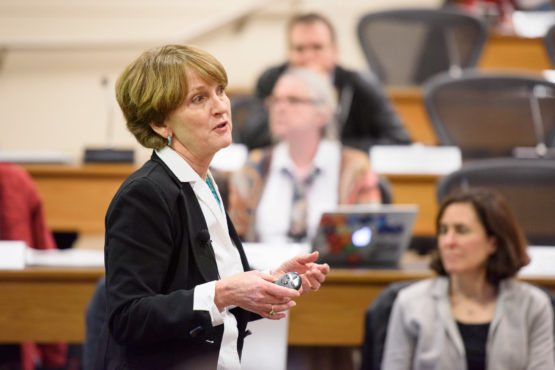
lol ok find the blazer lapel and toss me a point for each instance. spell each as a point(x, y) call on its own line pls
point(199, 237)
point(441, 293)
point(503, 301)
point(237, 241)
point(208, 199)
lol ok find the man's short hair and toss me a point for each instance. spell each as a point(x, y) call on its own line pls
point(307, 18)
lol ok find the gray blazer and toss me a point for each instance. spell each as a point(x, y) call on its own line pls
point(422, 333)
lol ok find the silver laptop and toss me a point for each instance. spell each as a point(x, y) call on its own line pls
point(366, 236)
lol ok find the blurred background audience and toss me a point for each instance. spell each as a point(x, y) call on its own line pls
point(282, 191)
point(364, 116)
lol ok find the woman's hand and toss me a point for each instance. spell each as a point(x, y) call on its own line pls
point(254, 291)
point(313, 274)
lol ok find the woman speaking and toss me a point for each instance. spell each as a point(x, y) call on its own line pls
point(179, 288)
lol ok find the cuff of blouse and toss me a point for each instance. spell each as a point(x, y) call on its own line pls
point(203, 300)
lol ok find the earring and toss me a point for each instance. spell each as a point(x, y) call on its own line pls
point(169, 140)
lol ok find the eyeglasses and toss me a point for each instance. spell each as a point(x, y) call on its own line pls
point(292, 101)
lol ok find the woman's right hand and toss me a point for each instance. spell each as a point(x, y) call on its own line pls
point(254, 291)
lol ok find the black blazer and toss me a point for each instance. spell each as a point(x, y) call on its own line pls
point(157, 249)
point(367, 116)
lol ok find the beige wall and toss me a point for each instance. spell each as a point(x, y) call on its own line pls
point(51, 96)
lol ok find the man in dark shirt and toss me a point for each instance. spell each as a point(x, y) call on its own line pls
point(365, 116)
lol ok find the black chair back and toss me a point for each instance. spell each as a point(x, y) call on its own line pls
point(386, 190)
point(407, 46)
point(94, 320)
point(527, 185)
point(549, 40)
point(375, 326)
point(249, 120)
point(491, 115)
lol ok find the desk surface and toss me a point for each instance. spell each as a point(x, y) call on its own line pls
point(514, 52)
point(76, 197)
point(409, 105)
point(48, 304)
point(45, 304)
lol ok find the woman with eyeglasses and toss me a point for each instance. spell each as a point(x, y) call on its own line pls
point(282, 191)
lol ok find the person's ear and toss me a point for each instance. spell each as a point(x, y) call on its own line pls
point(324, 116)
point(335, 52)
point(492, 244)
point(161, 129)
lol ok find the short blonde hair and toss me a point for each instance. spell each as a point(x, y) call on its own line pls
point(155, 84)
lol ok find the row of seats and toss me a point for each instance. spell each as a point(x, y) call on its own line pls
point(409, 46)
point(485, 115)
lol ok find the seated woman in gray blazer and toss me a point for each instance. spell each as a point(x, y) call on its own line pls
point(475, 315)
point(178, 287)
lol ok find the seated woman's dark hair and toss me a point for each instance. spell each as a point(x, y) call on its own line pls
point(499, 221)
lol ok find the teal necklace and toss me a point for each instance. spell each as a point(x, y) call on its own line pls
point(213, 190)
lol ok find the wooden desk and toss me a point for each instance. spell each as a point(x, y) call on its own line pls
point(48, 304)
point(419, 190)
point(514, 52)
point(76, 197)
point(45, 304)
point(334, 316)
point(409, 105)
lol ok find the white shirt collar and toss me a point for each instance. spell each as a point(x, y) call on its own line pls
point(327, 151)
point(179, 166)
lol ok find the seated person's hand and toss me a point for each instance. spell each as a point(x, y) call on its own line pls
point(313, 274)
point(254, 291)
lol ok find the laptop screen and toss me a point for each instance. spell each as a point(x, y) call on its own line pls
point(365, 235)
